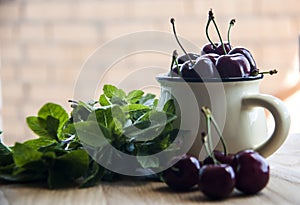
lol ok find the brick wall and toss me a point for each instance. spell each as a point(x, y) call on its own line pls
point(43, 44)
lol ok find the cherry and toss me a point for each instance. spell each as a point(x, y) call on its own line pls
point(182, 59)
point(252, 171)
point(220, 157)
point(217, 181)
point(247, 54)
point(208, 48)
point(187, 71)
point(217, 48)
point(220, 50)
point(233, 65)
point(205, 66)
point(183, 175)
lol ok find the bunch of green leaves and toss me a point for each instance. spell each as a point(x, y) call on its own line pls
point(131, 122)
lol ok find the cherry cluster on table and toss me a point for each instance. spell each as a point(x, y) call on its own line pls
point(247, 171)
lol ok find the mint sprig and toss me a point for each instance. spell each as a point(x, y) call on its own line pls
point(129, 122)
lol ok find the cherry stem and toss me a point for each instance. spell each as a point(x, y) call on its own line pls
point(211, 16)
point(208, 121)
point(231, 24)
point(174, 60)
point(220, 135)
point(207, 149)
point(175, 34)
point(207, 35)
point(270, 72)
point(209, 115)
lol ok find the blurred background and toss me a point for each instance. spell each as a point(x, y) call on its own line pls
point(43, 45)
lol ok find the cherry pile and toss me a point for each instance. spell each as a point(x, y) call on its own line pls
point(220, 173)
point(216, 60)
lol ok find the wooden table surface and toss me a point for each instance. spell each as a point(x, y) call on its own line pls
point(283, 188)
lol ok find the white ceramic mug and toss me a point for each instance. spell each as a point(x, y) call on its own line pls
point(238, 107)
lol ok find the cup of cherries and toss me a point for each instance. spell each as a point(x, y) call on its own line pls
point(216, 61)
point(220, 173)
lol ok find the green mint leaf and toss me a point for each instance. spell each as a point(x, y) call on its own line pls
point(112, 91)
point(93, 134)
point(134, 96)
point(81, 112)
point(43, 127)
point(11, 173)
point(169, 107)
point(5, 155)
point(67, 168)
point(93, 176)
point(24, 154)
point(147, 99)
point(55, 111)
point(40, 143)
point(134, 107)
point(103, 101)
point(148, 161)
point(73, 164)
point(51, 118)
point(102, 116)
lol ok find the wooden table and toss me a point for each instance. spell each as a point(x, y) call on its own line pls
point(283, 188)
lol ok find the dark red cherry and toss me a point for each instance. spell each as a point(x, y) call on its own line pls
point(185, 58)
point(247, 54)
point(217, 181)
point(220, 50)
point(233, 65)
point(207, 48)
point(187, 70)
point(205, 66)
point(183, 175)
point(220, 157)
point(252, 171)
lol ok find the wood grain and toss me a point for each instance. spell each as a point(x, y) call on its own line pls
point(283, 188)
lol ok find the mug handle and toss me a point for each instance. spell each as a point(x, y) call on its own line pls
point(281, 117)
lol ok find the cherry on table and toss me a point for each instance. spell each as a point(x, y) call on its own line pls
point(220, 157)
point(216, 181)
point(252, 171)
point(183, 175)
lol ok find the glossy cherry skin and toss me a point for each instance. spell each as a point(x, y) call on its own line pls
point(183, 175)
point(220, 51)
point(223, 159)
point(205, 66)
point(216, 181)
point(247, 54)
point(187, 71)
point(252, 171)
point(182, 59)
point(233, 65)
point(207, 48)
